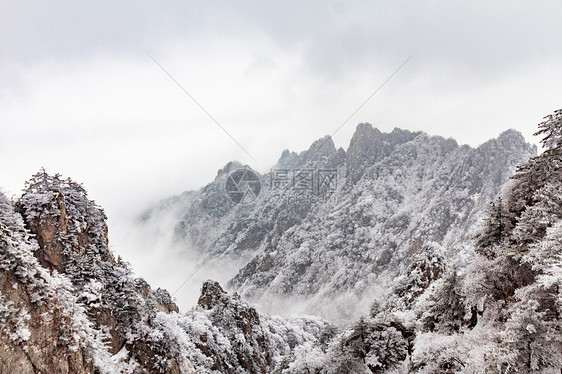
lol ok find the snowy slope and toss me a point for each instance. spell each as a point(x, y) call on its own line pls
point(395, 192)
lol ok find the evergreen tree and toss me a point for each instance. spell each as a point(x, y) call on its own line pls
point(375, 343)
point(427, 265)
point(443, 310)
point(551, 128)
point(536, 219)
point(531, 340)
point(497, 228)
point(542, 169)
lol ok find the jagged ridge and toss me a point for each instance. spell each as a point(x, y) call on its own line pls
point(395, 192)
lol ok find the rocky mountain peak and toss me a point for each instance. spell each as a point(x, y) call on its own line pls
point(508, 141)
point(287, 160)
point(228, 168)
point(211, 294)
point(324, 147)
point(65, 222)
point(410, 205)
point(94, 316)
point(369, 145)
point(320, 151)
point(392, 193)
point(511, 139)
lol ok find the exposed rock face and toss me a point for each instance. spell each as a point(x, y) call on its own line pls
point(45, 331)
point(257, 342)
point(37, 331)
point(369, 145)
point(209, 212)
point(71, 238)
point(48, 229)
point(68, 306)
point(243, 319)
point(62, 226)
point(211, 294)
point(164, 301)
point(406, 207)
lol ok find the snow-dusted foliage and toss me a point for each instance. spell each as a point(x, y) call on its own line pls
point(510, 293)
point(13, 322)
point(34, 299)
point(241, 340)
point(56, 266)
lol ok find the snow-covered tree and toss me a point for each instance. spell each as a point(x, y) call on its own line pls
point(371, 345)
point(427, 265)
point(496, 229)
point(536, 219)
point(443, 310)
point(533, 335)
point(532, 341)
point(438, 353)
point(540, 170)
point(551, 129)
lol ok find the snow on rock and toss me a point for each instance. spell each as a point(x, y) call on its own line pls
point(68, 305)
point(395, 193)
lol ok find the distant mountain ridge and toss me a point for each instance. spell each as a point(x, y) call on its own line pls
point(395, 193)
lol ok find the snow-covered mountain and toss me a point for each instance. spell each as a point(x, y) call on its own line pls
point(68, 305)
point(329, 249)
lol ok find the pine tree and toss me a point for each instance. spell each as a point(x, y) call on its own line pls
point(536, 219)
point(377, 344)
point(551, 128)
point(444, 309)
point(497, 228)
point(531, 341)
point(42, 182)
point(540, 170)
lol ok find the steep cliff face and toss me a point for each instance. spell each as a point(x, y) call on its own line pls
point(369, 145)
point(105, 310)
point(67, 305)
point(209, 212)
point(43, 326)
point(393, 193)
point(63, 221)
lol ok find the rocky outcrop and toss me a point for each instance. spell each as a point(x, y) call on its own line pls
point(63, 221)
point(369, 145)
point(103, 310)
point(254, 356)
point(38, 331)
point(396, 193)
point(36, 338)
point(257, 342)
point(67, 305)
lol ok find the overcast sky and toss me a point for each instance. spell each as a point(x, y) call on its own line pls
point(80, 95)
